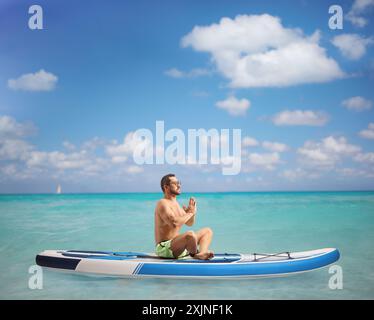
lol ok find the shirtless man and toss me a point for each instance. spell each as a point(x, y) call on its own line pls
point(169, 219)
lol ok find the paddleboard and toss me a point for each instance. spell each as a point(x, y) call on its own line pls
point(224, 265)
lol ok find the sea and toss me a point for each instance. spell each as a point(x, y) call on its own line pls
point(243, 222)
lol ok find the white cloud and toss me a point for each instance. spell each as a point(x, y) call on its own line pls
point(258, 51)
point(38, 81)
point(249, 142)
point(194, 73)
point(266, 161)
point(316, 156)
point(20, 160)
point(369, 132)
point(348, 171)
point(300, 118)
point(234, 106)
point(69, 146)
point(93, 144)
point(292, 175)
point(352, 46)
point(327, 152)
point(10, 128)
point(275, 146)
point(31, 162)
point(174, 73)
point(10, 169)
point(58, 160)
point(365, 157)
point(96, 165)
point(14, 149)
point(357, 103)
point(355, 172)
point(298, 174)
point(134, 169)
point(75, 160)
point(359, 8)
point(121, 152)
point(339, 145)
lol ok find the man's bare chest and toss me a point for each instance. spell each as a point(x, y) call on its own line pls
point(177, 210)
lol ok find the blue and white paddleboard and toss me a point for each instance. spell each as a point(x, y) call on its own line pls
point(142, 265)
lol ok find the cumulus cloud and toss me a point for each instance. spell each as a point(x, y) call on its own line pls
point(327, 152)
point(68, 146)
point(194, 73)
point(300, 118)
point(359, 8)
point(297, 174)
point(267, 161)
point(10, 128)
point(10, 169)
point(365, 157)
point(249, 142)
point(275, 146)
point(58, 159)
point(93, 144)
point(356, 172)
point(357, 103)
point(121, 152)
point(352, 46)
point(134, 169)
point(258, 51)
point(82, 162)
point(234, 106)
point(21, 160)
point(369, 132)
point(38, 81)
point(14, 149)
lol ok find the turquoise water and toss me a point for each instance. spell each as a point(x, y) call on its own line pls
point(242, 222)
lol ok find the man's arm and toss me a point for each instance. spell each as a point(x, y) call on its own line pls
point(191, 208)
point(171, 219)
point(191, 221)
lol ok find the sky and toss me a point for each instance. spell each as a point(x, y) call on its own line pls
point(78, 79)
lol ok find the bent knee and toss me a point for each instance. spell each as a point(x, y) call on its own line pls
point(190, 235)
point(207, 230)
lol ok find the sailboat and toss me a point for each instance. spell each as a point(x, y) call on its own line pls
point(58, 191)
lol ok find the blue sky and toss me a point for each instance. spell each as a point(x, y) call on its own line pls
point(98, 70)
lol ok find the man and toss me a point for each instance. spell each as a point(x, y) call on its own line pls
point(169, 219)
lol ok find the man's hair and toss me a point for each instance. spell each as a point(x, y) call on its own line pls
point(165, 180)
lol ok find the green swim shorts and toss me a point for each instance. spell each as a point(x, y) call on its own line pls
point(163, 250)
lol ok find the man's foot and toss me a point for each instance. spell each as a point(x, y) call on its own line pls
point(204, 255)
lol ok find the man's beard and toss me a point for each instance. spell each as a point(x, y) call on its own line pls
point(176, 193)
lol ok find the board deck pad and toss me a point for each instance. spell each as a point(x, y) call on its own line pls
point(220, 257)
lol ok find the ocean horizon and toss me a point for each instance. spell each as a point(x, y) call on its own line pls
point(185, 192)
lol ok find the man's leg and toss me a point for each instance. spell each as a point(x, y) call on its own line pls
point(204, 238)
point(187, 240)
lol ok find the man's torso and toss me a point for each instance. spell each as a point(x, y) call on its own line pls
point(164, 231)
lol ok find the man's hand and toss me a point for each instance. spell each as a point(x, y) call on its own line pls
point(191, 206)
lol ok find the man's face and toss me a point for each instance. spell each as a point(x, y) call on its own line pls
point(174, 186)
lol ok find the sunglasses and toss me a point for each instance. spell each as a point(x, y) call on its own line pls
point(177, 183)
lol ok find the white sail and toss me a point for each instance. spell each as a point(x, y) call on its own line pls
point(58, 191)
